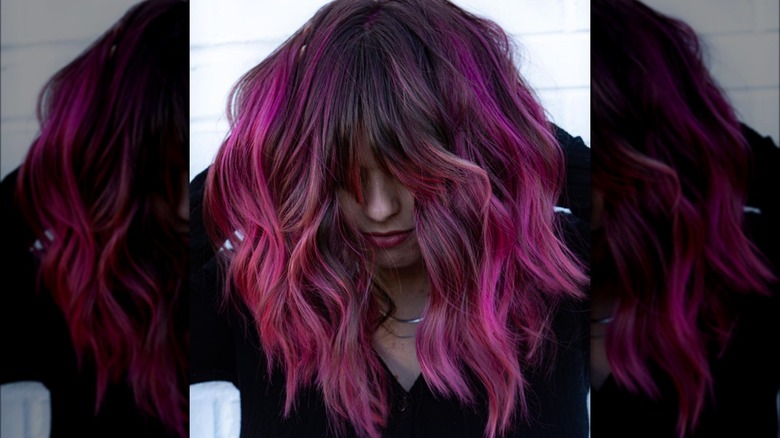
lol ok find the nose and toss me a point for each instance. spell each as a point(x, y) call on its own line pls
point(381, 197)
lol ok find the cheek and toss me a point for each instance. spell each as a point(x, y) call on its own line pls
point(407, 202)
point(349, 206)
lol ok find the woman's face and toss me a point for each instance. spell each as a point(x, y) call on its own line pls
point(385, 218)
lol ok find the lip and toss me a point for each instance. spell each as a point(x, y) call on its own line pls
point(388, 240)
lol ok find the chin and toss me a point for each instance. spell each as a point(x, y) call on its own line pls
point(390, 259)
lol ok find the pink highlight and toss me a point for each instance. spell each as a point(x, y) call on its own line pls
point(104, 178)
point(430, 91)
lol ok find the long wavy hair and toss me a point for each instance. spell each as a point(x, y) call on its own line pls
point(432, 92)
point(673, 166)
point(100, 187)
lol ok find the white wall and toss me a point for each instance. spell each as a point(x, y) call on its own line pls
point(231, 36)
point(743, 44)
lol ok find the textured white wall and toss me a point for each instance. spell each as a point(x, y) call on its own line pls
point(231, 36)
point(37, 38)
point(742, 39)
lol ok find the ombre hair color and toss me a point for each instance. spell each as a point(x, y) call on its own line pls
point(100, 188)
point(673, 167)
point(432, 92)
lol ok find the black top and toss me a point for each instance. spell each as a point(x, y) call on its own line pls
point(224, 348)
point(36, 345)
point(747, 376)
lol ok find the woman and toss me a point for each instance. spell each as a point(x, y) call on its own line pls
point(384, 210)
point(97, 238)
point(685, 306)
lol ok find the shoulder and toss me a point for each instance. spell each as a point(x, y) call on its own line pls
point(576, 151)
point(762, 208)
point(575, 199)
point(764, 177)
point(201, 250)
point(34, 332)
point(16, 223)
point(18, 236)
point(9, 184)
point(575, 196)
point(198, 185)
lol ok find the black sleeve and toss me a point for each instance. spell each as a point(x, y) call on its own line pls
point(762, 213)
point(576, 195)
point(559, 389)
point(35, 343)
point(212, 352)
point(17, 293)
point(23, 342)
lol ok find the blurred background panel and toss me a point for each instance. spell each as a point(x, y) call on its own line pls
point(37, 38)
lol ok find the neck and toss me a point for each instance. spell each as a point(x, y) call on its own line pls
point(408, 287)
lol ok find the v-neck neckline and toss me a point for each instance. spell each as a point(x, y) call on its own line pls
point(416, 387)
